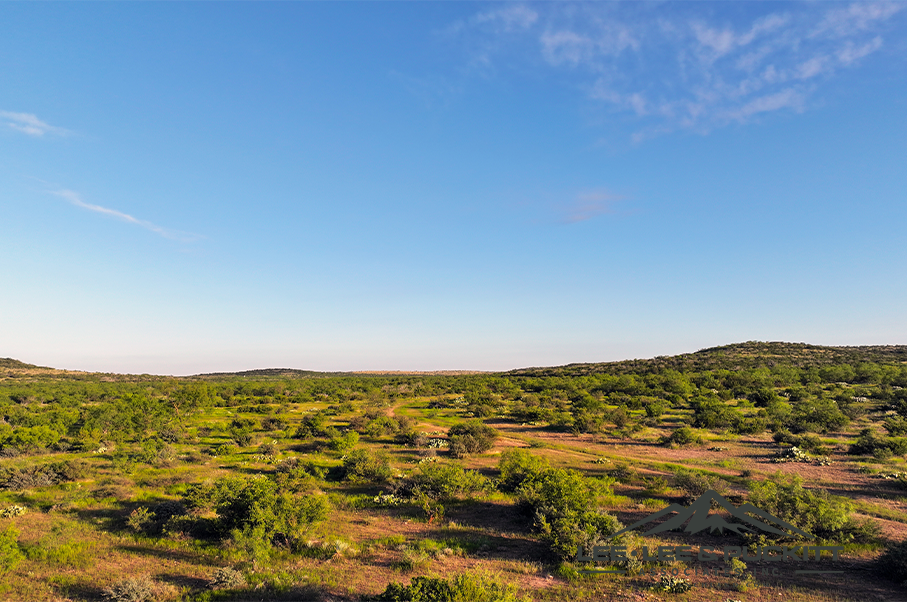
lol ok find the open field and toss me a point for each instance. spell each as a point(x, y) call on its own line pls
point(307, 486)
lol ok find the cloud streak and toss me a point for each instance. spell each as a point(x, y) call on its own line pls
point(28, 123)
point(588, 205)
point(686, 68)
point(75, 198)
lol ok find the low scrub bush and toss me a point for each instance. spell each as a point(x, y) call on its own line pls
point(674, 585)
point(813, 511)
point(808, 442)
point(467, 587)
point(10, 554)
point(871, 444)
point(564, 505)
point(694, 483)
point(312, 425)
point(16, 479)
point(517, 465)
point(133, 589)
point(412, 438)
point(682, 436)
point(256, 502)
point(345, 442)
point(226, 578)
point(365, 466)
point(896, 426)
point(292, 474)
point(443, 480)
point(471, 437)
point(818, 416)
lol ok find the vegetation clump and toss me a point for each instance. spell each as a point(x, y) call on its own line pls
point(10, 554)
point(870, 444)
point(132, 589)
point(461, 588)
point(365, 466)
point(682, 436)
point(471, 437)
point(247, 504)
point(674, 585)
point(95, 453)
point(693, 483)
point(227, 578)
point(813, 511)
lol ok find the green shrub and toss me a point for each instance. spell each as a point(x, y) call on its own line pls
point(896, 426)
point(412, 438)
point(299, 476)
point(156, 452)
point(565, 510)
point(44, 475)
point(682, 436)
point(471, 437)
point(133, 589)
point(674, 585)
point(443, 480)
point(30, 439)
point(812, 511)
point(517, 465)
point(431, 507)
point(382, 425)
point(268, 448)
point(226, 578)
point(240, 430)
point(467, 587)
point(140, 520)
point(809, 442)
point(869, 443)
point(62, 553)
point(10, 554)
point(715, 414)
point(224, 449)
point(763, 397)
point(312, 425)
point(694, 483)
point(273, 423)
point(365, 466)
point(818, 415)
point(344, 443)
point(256, 502)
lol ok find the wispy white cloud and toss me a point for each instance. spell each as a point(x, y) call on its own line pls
point(850, 53)
point(567, 46)
point(589, 204)
point(855, 18)
point(685, 68)
point(76, 199)
point(28, 123)
point(517, 17)
point(785, 99)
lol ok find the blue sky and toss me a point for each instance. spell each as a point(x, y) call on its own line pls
point(203, 187)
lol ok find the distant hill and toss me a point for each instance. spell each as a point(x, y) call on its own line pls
point(8, 362)
point(752, 354)
point(738, 356)
point(270, 373)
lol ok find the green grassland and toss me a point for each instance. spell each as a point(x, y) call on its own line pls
point(297, 485)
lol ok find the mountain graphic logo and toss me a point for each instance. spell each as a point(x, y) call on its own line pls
point(699, 518)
